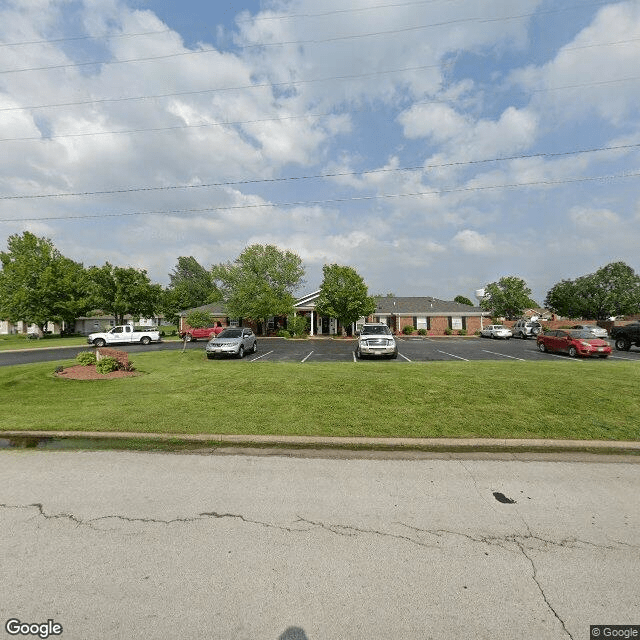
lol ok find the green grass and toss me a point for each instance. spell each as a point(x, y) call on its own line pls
point(185, 393)
point(18, 341)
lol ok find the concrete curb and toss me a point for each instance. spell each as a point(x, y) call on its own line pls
point(329, 442)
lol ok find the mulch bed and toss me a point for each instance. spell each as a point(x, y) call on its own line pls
point(88, 372)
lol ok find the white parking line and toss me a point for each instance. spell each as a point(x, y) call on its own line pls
point(405, 357)
point(504, 355)
point(621, 358)
point(262, 356)
point(307, 356)
point(451, 354)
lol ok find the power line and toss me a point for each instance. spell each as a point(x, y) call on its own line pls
point(280, 118)
point(75, 38)
point(339, 174)
point(289, 83)
point(331, 200)
point(261, 85)
point(301, 42)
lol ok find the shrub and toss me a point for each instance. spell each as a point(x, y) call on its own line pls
point(422, 332)
point(297, 325)
point(477, 332)
point(86, 358)
point(283, 333)
point(107, 365)
point(121, 357)
point(462, 332)
point(407, 330)
point(447, 331)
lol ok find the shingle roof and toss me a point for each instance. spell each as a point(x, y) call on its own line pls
point(423, 306)
point(216, 308)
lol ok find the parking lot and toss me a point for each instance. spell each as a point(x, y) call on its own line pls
point(419, 349)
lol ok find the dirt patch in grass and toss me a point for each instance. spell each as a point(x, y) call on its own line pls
point(89, 372)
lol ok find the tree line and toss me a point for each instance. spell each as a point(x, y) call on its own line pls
point(611, 291)
point(39, 285)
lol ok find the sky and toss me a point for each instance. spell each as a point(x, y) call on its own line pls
point(435, 146)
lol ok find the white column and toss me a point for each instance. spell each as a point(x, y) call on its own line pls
point(311, 325)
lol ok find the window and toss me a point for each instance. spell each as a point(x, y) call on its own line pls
point(422, 323)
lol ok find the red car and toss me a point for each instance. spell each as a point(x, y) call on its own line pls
point(574, 342)
point(200, 334)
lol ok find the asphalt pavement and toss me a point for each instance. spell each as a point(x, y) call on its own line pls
point(121, 545)
point(411, 349)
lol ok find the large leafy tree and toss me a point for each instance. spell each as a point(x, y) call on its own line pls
point(38, 284)
point(463, 300)
point(190, 285)
point(344, 295)
point(259, 283)
point(508, 297)
point(124, 290)
point(613, 290)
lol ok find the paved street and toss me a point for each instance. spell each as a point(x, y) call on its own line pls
point(411, 349)
point(144, 545)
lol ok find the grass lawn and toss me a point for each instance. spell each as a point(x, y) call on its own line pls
point(185, 393)
point(16, 341)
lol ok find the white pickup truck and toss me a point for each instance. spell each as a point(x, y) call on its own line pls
point(124, 334)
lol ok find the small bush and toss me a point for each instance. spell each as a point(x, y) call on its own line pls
point(107, 365)
point(422, 332)
point(462, 332)
point(477, 332)
point(283, 333)
point(447, 331)
point(407, 330)
point(86, 358)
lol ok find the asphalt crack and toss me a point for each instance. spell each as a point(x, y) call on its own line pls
point(542, 593)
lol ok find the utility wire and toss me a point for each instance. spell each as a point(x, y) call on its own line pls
point(44, 138)
point(339, 174)
point(302, 42)
point(290, 83)
point(331, 200)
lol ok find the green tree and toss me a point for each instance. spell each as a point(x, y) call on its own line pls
point(198, 319)
point(463, 300)
point(259, 284)
point(613, 290)
point(124, 290)
point(190, 285)
point(38, 284)
point(344, 295)
point(508, 297)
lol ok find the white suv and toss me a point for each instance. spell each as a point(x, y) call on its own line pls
point(376, 339)
point(525, 328)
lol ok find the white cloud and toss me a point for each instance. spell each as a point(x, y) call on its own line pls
point(471, 241)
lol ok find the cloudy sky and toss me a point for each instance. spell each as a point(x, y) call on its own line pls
point(433, 145)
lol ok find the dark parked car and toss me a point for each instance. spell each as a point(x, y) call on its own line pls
point(626, 335)
point(574, 342)
point(232, 342)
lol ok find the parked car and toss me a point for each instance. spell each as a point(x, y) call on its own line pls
point(233, 341)
point(526, 328)
point(194, 334)
point(598, 332)
point(376, 339)
point(496, 331)
point(575, 342)
point(626, 335)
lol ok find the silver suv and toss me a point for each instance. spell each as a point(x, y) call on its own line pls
point(526, 328)
point(376, 339)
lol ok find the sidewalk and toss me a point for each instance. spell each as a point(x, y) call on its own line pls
point(355, 443)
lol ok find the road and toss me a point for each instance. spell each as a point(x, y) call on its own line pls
point(327, 350)
point(121, 545)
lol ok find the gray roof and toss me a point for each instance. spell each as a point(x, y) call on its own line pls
point(214, 308)
point(423, 306)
